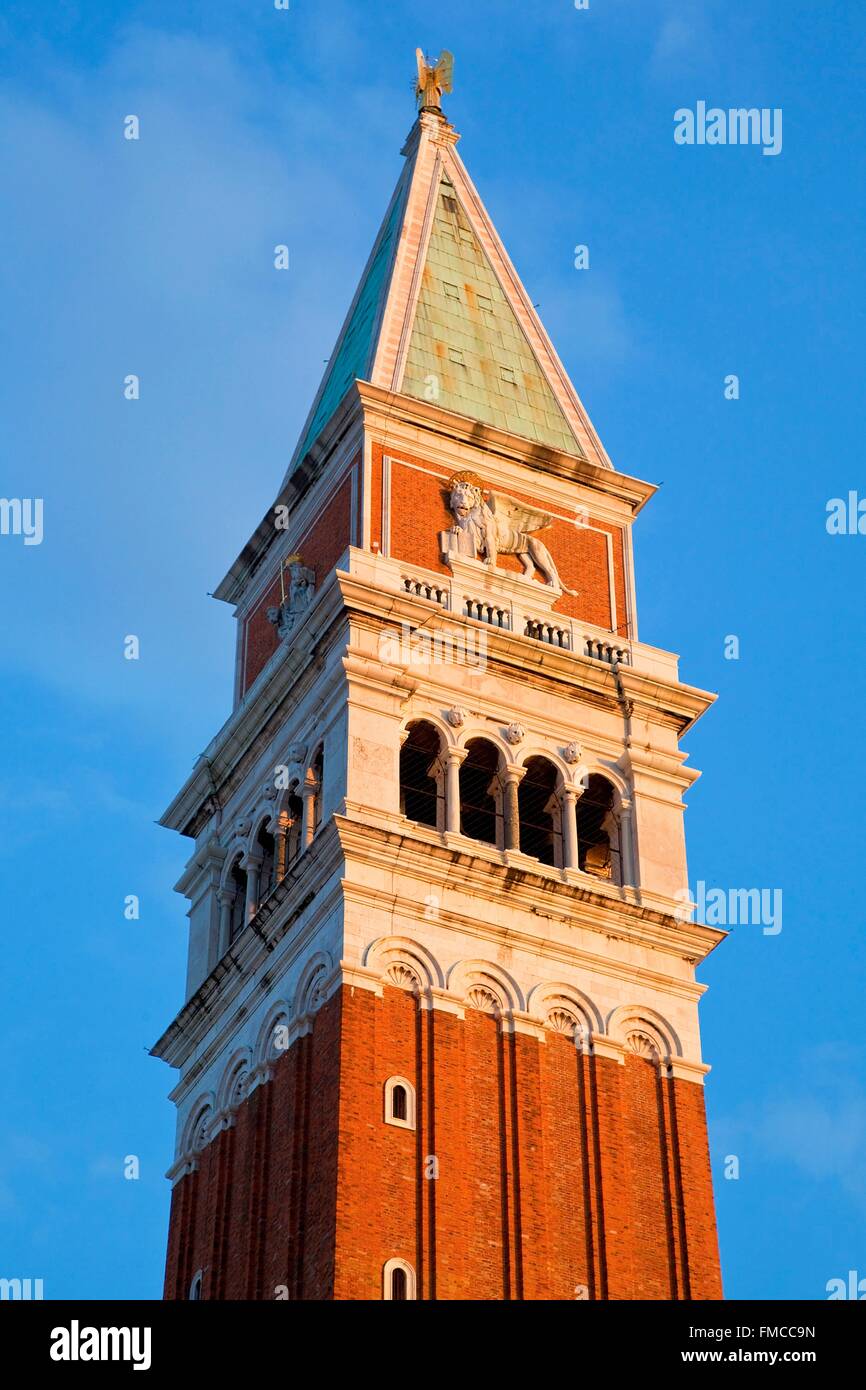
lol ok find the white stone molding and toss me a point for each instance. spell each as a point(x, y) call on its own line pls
point(403, 976)
point(314, 988)
point(564, 1009)
point(551, 755)
point(524, 1024)
point(483, 985)
point(233, 1089)
point(600, 1045)
point(262, 816)
point(637, 1028)
point(403, 962)
point(481, 729)
point(235, 850)
point(196, 1135)
point(485, 1000)
point(266, 1052)
point(407, 1269)
point(642, 1044)
point(390, 1117)
point(443, 726)
point(594, 767)
point(234, 1085)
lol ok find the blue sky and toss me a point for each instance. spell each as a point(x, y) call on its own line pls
point(155, 257)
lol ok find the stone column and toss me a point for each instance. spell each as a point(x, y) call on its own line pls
point(280, 830)
point(512, 777)
point(253, 869)
point(309, 792)
point(453, 759)
point(628, 869)
point(225, 897)
point(570, 854)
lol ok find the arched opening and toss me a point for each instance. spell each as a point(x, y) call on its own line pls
point(421, 792)
point(400, 1102)
point(237, 880)
point(195, 1288)
point(398, 1282)
point(597, 830)
point(480, 792)
point(268, 870)
point(291, 820)
point(539, 811)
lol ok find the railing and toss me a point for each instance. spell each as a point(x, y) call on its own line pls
point(506, 611)
point(548, 632)
point(484, 612)
point(600, 650)
point(420, 588)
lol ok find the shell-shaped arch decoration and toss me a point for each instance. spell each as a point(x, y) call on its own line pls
point(404, 962)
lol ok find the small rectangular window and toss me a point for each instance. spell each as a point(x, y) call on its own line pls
point(507, 374)
point(451, 291)
point(456, 357)
point(485, 303)
point(450, 203)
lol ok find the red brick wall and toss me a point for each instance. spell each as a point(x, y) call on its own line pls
point(259, 1212)
point(418, 512)
point(560, 1175)
point(320, 548)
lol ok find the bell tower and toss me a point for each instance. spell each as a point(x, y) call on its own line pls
point(440, 1037)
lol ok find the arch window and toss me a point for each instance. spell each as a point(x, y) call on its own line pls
point(268, 870)
point(290, 843)
point(538, 808)
point(237, 881)
point(481, 793)
point(195, 1287)
point(398, 1280)
point(400, 1102)
point(421, 791)
point(598, 831)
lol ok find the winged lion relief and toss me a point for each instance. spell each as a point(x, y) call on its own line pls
point(498, 525)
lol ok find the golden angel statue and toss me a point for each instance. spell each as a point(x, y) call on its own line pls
point(433, 80)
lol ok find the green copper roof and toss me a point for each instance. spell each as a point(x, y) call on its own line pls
point(352, 358)
point(468, 352)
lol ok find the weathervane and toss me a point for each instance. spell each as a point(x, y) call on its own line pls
point(433, 80)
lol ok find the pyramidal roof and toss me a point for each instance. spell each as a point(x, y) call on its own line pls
point(440, 314)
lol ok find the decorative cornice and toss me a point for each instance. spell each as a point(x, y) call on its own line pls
point(490, 872)
point(387, 408)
